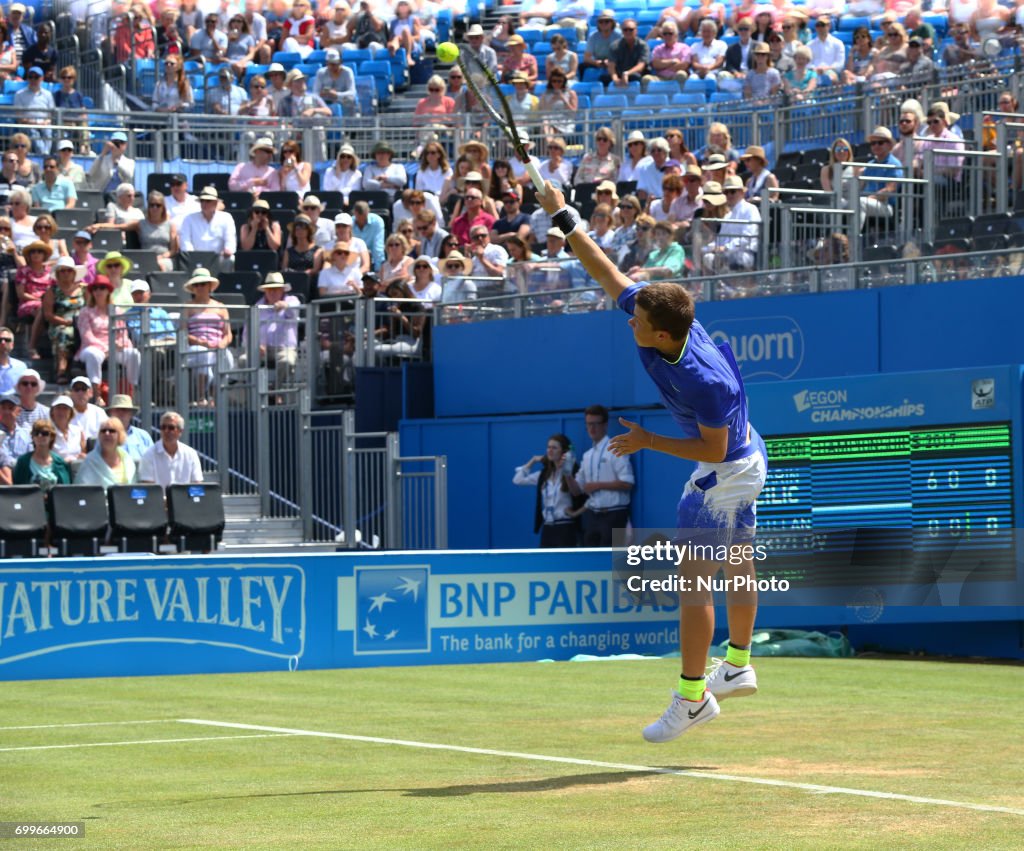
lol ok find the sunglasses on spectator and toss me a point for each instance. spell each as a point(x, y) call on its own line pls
point(28, 383)
point(787, 26)
point(42, 434)
point(419, 266)
point(20, 145)
point(258, 86)
point(8, 340)
point(932, 122)
point(108, 431)
point(877, 144)
point(480, 236)
point(169, 427)
point(453, 267)
point(643, 228)
point(67, 76)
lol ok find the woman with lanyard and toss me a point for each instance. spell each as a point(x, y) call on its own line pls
point(559, 498)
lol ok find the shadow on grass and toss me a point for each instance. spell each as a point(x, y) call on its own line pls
point(546, 784)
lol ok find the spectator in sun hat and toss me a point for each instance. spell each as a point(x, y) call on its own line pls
point(300, 103)
point(260, 232)
point(598, 50)
point(278, 316)
point(112, 166)
point(20, 34)
point(227, 97)
point(137, 439)
point(475, 46)
point(323, 227)
point(517, 60)
point(335, 83)
point(254, 175)
point(86, 415)
point(636, 153)
point(278, 91)
point(35, 108)
point(81, 253)
point(344, 176)
point(343, 233)
point(115, 267)
point(180, 202)
point(211, 229)
point(383, 174)
point(66, 165)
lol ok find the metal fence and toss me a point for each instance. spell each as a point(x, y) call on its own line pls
point(256, 432)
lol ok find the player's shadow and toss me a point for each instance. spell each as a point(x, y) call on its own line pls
point(546, 784)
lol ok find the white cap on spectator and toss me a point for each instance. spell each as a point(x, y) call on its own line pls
point(139, 286)
point(276, 68)
point(474, 30)
point(333, 57)
point(63, 400)
point(343, 219)
point(636, 136)
point(81, 379)
point(17, 7)
point(556, 233)
point(65, 145)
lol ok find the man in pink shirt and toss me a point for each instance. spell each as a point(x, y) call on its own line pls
point(671, 59)
point(475, 214)
point(253, 175)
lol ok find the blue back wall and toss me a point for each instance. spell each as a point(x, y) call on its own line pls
point(564, 363)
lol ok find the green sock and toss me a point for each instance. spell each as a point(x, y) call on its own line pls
point(740, 657)
point(691, 689)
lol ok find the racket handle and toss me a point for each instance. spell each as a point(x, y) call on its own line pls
point(538, 181)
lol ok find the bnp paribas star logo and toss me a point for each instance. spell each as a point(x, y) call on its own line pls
point(391, 610)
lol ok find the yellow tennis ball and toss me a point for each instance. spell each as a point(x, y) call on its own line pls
point(447, 52)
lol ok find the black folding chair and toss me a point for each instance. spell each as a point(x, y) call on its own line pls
point(196, 515)
point(78, 517)
point(22, 521)
point(138, 518)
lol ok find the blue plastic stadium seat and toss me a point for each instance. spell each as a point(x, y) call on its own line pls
point(851, 22)
point(12, 86)
point(725, 97)
point(531, 36)
point(663, 87)
point(568, 33)
point(540, 50)
point(650, 99)
point(610, 102)
point(592, 75)
point(317, 57)
point(695, 84)
point(356, 56)
point(591, 89)
point(696, 99)
point(287, 58)
point(582, 101)
point(308, 68)
point(539, 88)
point(648, 17)
point(6, 100)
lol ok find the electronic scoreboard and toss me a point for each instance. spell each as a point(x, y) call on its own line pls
point(919, 502)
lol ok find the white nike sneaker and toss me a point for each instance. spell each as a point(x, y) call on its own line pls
point(682, 715)
point(726, 680)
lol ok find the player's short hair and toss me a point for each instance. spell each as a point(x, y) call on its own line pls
point(597, 411)
point(669, 308)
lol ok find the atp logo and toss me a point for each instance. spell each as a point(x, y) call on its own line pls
point(391, 610)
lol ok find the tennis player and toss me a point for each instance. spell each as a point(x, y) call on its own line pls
point(701, 387)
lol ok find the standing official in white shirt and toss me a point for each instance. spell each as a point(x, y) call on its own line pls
point(606, 480)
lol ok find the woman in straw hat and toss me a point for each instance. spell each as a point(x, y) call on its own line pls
point(342, 276)
point(302, 253)
point(116, 266)
point(209, 332)
point(344, 176)
point(255, 175)
point(479, 155)
point(278, 314)
point(761, 180)
point(94, 329)
point(31, 282)
point(61, 305)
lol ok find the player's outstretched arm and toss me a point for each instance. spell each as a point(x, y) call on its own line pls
point(594, 260)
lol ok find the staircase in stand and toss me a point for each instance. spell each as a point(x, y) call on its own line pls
point(245, 531)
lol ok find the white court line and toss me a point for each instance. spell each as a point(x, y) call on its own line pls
point(143, 742)
point(699, 775)
point(91, 724)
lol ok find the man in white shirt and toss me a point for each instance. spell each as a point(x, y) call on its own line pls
point(180, 202)
point(735, 247)
point(708, 54)
point(324, 235)
point(489, 260)
point(412, 203)
point(383, 174)
point(828, 53)
point(475, 45)
point(210, 229)
point(336, 83)
point(86, 415)
point(606, 480)
point(648, 174)
point(170, 462)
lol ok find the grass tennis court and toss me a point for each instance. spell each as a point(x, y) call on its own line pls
point(876, 726)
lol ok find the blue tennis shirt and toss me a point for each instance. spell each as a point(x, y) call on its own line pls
point(702, 388)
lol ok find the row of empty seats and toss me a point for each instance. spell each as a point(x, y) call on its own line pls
point(77, 520)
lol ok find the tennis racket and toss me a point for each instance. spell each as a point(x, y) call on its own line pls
point(484, 85)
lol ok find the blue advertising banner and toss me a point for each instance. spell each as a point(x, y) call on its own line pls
point(215, 614)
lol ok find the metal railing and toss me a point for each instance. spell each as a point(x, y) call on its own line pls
point(894, 270)
point(256, 432)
